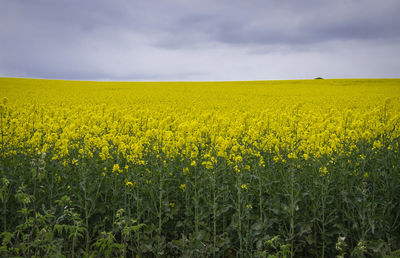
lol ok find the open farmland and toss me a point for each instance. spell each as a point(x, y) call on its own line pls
point(305, 168)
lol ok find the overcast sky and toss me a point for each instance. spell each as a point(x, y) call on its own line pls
point(155, 40)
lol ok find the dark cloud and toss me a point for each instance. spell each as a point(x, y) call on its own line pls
point(200, 40)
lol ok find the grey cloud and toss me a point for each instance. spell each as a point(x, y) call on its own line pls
point(299, 22)
point(229, 22)
point(142, 40)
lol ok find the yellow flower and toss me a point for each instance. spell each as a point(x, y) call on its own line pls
point(172, 204)
point(249, 206)
point(129, 183)
point(377, 145)
point(236, 125)
point(292, 155)
point(116, 168)
point(207, 164)
point(238, 159)
point(183, 187)
point(236, 168)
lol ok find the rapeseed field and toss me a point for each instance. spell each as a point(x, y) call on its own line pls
point(302, 168)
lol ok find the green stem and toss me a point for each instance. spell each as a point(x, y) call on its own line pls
point(73, 246)
point(323, 221)
point(4, 217)
point(87, 226)
point(34, 208)
point(196, 222)
point(137, 213)
point(214, 216)
point(260, 197)
point(292, 211)
point(160, 212)
point(2, 136)
point(239, 203)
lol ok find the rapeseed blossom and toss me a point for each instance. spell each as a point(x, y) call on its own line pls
point(116, 168)
point(202, 126)
point(206, 153)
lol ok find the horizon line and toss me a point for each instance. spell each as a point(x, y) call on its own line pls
point(258, 80)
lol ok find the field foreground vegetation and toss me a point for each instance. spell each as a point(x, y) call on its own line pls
point(307, 168)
